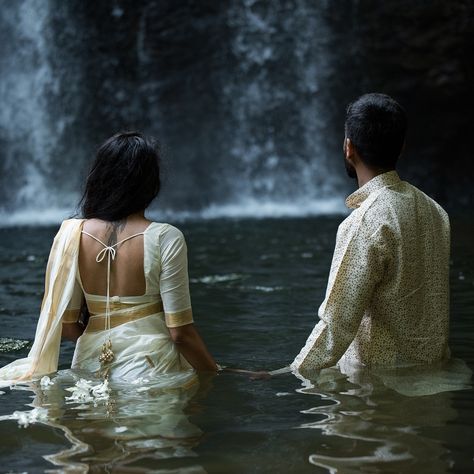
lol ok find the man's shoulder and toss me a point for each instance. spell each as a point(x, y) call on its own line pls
point(402, 204)
point(428, 201)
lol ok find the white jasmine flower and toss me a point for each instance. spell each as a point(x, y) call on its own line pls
point(45, 382)
point(25, 418)
point(85, 391)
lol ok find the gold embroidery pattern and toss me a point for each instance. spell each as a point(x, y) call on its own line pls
point(97, 308)
point(96, 322)
point(181, 318)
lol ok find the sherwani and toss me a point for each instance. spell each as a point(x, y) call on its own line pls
point(387, 299)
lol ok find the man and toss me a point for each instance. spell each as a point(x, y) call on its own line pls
point(387, 300)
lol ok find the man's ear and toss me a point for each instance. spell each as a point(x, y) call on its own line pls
point(349, 150)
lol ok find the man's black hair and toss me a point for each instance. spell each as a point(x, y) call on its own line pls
point(376, 125)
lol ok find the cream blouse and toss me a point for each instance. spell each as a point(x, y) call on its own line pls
point(166, 277)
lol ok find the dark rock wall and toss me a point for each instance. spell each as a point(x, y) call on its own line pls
point(421, 53)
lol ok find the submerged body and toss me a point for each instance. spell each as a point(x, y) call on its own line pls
point(130, 273)
point(139, 324)
point(152, 333)
point(387, 301)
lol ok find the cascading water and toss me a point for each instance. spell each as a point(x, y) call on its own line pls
point(279, 109)
point(35, 116)
point(28, 132)
point(244, 118)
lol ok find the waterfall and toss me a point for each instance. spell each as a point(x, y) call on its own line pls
point(279, 110)
point(28, 132)
point(245, 117)
point(34, 117)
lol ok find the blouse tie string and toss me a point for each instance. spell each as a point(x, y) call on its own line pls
point(111, 252)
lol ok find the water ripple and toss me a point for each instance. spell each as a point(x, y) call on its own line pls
point(8, 344)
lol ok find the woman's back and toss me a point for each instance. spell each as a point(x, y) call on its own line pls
point(127, 273)
point(142, 266)
point(131, 272)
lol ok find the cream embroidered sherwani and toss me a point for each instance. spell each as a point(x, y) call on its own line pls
point(387, 300)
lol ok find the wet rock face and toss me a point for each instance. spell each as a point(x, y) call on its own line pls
point(247, 97)
point(421, 54)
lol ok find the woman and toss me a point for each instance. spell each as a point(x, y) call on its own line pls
point(130, 273)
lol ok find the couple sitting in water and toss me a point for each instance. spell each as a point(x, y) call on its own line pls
point(117, 283)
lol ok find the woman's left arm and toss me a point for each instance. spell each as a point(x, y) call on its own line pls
point(72, 331)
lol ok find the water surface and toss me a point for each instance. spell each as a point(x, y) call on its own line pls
point(256, 286)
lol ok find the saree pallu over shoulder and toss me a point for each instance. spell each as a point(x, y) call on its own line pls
point(59, 285)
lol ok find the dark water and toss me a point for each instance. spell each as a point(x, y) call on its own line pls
point(256, 286)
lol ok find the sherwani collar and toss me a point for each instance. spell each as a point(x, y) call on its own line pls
point(389, 178)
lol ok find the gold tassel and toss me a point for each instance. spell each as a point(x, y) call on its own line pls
point(107, 354)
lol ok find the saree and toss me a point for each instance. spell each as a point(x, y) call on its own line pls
point(138, 325)
point(59, 284)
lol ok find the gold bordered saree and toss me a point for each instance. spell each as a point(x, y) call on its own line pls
point(138, 325)
point(59, 284)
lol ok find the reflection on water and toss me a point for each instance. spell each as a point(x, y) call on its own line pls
point(134, 425)
point(368, 421)
point(378, 418)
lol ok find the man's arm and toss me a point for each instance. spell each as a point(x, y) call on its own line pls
point(358, 266)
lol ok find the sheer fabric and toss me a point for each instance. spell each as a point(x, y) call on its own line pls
point(59, 286)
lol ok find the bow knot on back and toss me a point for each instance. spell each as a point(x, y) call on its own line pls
point(109, 251)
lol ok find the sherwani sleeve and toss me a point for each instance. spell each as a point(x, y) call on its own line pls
point(357, 267)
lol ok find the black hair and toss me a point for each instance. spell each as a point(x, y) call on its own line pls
point(124, 178)
point(376, 125)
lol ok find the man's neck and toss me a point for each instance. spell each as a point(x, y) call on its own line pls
point(364, 174)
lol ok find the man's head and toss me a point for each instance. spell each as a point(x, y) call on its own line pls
point(375, 133)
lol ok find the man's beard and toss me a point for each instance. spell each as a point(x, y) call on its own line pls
point(350, 170)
